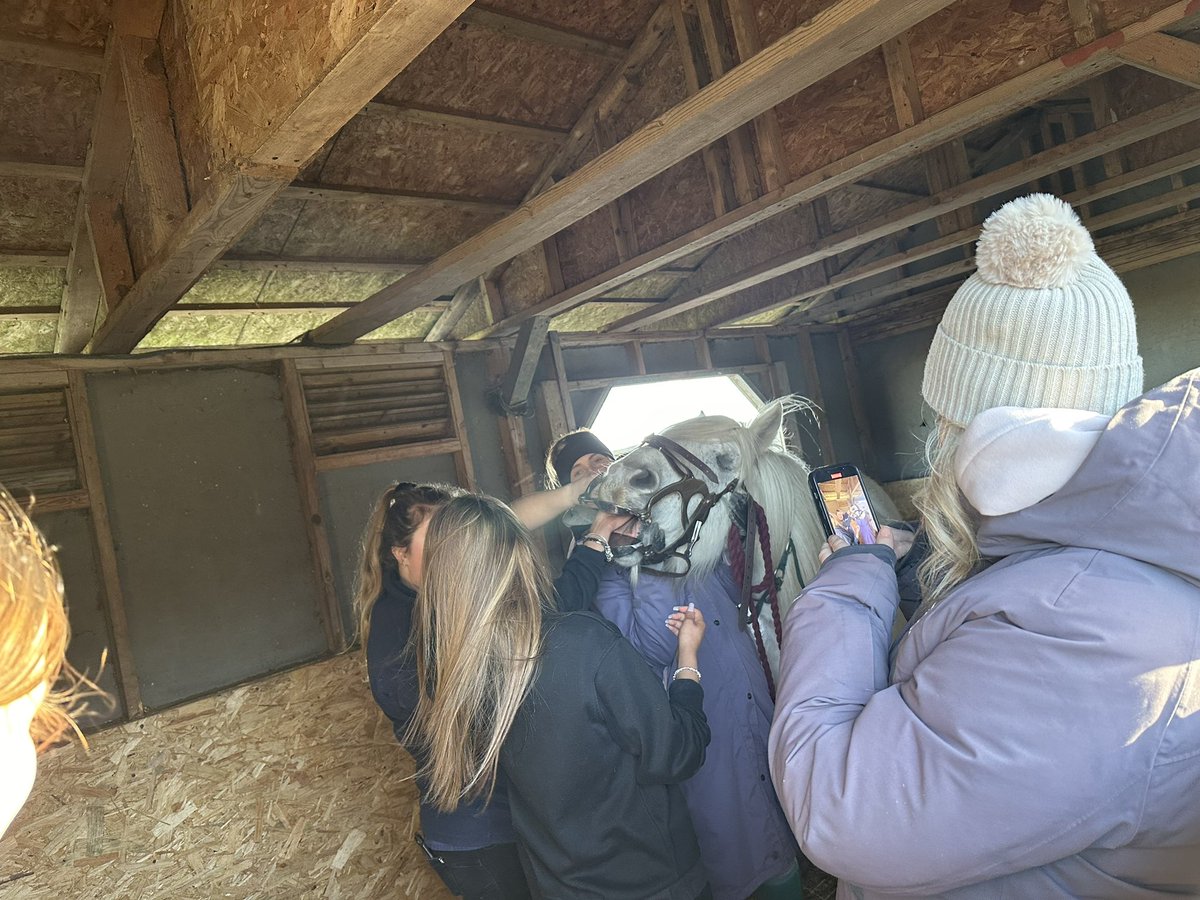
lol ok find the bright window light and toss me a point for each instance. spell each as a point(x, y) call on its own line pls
point(633, 411)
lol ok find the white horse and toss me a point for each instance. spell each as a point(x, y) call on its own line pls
point(753, 459)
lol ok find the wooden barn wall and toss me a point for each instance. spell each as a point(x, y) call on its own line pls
point(206, 519)
point(293, 786)
point(347, 499)
point(891, 368)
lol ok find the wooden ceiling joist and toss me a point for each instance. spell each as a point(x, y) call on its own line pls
point(13, 168)
point(843, 31)
point(34, 259)
point(266, 161)
point(994, 104)
point(1121, 134)
point(317, 265)
point(1168, 56)
point(336, 193)
point(890, 263)
point(442, 118)
point(35, 52)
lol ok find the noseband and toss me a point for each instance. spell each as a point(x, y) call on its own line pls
point(689, 486)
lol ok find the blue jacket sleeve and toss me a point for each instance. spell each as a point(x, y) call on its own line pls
point(641, 618)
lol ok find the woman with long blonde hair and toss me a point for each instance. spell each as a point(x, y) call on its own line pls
point(519, 686)
point(1034, 733)
point(34, 633)
point(470, 845)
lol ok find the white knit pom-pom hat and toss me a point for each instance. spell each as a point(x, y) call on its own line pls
point(1043, 322)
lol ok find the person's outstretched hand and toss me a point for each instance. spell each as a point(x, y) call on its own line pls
point(884, 536)
point(687, 624)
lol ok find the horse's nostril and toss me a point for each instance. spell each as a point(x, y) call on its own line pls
point(642, 478)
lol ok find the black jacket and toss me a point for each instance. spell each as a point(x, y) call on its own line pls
point(594, 761)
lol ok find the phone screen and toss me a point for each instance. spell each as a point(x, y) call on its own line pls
point(847, 509)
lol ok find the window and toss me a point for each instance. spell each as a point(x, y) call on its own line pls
point(633, 411)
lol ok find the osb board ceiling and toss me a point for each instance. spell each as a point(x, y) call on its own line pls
point(384, 149)
point(81, 22)
point(46, 113)
point(473, 69)
point(36, 214)
point(368, 230)
point(452, 127)
point(616, 20)
point(290, 787)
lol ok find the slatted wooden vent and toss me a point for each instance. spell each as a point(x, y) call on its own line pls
point(354, 411)
point(37, 452)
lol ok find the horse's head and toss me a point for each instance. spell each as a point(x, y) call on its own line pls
point(678, 480)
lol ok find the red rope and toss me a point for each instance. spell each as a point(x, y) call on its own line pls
point(736, 549)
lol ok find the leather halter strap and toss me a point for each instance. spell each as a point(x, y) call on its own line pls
point(674, 452)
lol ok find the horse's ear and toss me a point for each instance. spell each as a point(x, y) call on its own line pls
point(766, 425)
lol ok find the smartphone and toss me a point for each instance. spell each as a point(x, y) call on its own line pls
point(842, 503)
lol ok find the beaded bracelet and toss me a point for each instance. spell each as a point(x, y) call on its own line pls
point(686, 669)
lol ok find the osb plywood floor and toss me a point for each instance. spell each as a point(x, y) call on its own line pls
point(292, 787)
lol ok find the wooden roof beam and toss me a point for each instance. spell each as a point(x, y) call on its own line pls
point(1167, 56)
point(1071, 70)
point(1016, 175)
point(843, 31)
point(267, 154)
point(15, 168)
point(319, 265)
point(52, 54)
point(337, 193)
point(490, 124)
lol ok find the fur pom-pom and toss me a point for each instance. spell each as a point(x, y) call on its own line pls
point(1033, 242)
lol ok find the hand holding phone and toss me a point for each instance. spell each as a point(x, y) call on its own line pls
point(843, 505)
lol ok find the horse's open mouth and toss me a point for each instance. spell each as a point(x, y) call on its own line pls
point(627, 534)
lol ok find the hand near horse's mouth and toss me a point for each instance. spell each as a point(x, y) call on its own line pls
point(627, 532)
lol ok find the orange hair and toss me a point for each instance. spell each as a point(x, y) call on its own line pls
point(34, 629)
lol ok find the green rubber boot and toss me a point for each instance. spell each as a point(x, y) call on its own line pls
point(788, 886)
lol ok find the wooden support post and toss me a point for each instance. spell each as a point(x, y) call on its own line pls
point(155, 149)
point(553, 266)
point(620, 211)
point(463, 461)
point(99, 269)
point(718, 49)
point(813, 376)
point(637, 361)
point(703, 353)
point(305, 463)
point(493, 299)
point(524, 363)
point(560, 376)
point(854, 389)
point(84, 437)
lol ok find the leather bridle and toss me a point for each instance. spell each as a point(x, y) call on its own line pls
point(690, 485)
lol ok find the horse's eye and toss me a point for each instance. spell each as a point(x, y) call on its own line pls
point(642, 478)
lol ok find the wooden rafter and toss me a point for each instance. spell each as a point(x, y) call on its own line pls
point(238, 193)
point(33, 51)
point(1071, 70)
point(336, 193)
point(1010, 177)
point(1168, 56)
point(442, 117)
point(847, 29)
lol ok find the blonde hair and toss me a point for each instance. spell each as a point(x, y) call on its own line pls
point(398, 513)
point(949, 525)
point(34, 629)
point(477, 637)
